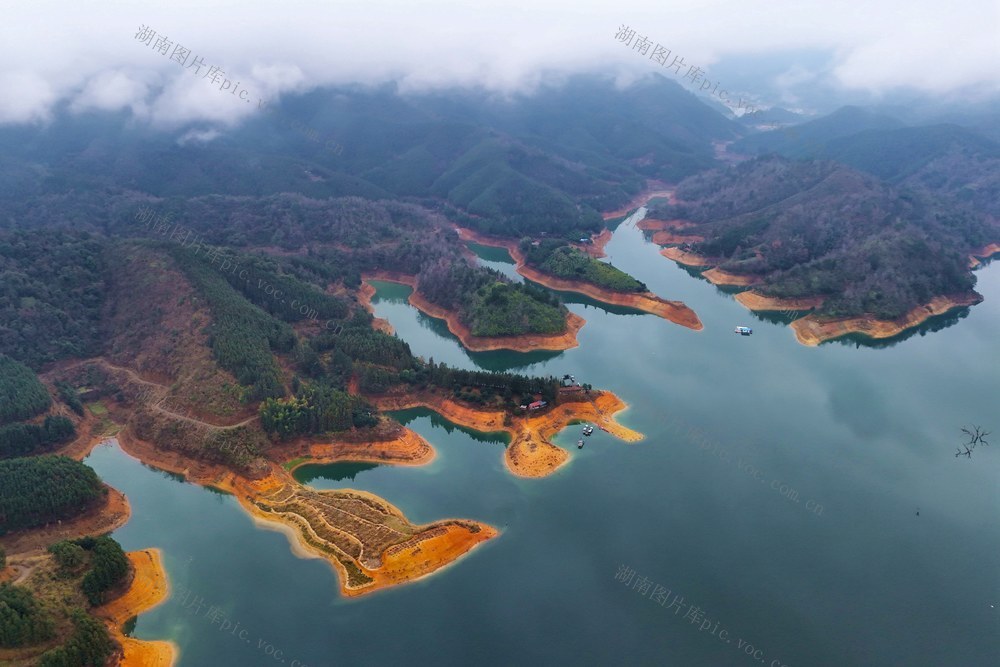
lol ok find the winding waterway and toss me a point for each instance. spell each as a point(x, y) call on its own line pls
point(806, 501)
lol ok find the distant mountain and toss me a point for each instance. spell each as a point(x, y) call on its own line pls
point(806, 139)
point(773, 116)
point(542, 162)
point(947, 160)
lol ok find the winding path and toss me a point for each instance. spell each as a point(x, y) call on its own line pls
point(163, 389)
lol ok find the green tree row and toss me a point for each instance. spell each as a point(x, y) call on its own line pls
point(22, 439)
point(37, 490)
point(316, 409)
point(89, 646)
point(555, 258)
point(243, 337)
point(22, 394)
point(23, 621)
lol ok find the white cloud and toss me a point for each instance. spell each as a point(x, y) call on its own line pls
point(111, 91)
point(198, 136)
point(54, 50)
point(26, 97)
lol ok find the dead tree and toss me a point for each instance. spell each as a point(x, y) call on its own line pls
point(977, 436)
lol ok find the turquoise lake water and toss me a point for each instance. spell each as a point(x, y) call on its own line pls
point(777, 492)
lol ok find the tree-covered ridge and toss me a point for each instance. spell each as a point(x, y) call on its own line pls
point(51, 291)
point(489, 303)
point(822, 229)
point(316, 409)
point(564, 261)
point(22, 395)
point(542, 162)
point(23, 439)
point(23, 621)
point(35, 491)
point(242, 336)
point(107, 569)
point(89, 644)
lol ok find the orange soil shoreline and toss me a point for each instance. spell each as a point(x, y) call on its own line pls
point(664, 237)
point(754, 301)
point(522, 343)
point(812, 331)
point(531, 452)
point(687, 258)
point(449, 538)
point(365, 294)
point(655, 225)
point(717, 276)
point(674, 311)
point(987, 251)
point(149, 588)
point(654, 190)
point(409, 449)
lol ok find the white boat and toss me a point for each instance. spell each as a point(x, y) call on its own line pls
point(743, 331)
point(588, 429)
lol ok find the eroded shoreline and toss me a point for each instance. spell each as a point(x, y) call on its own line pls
point(148, 589)
point(365, 560)
point(811, 330)
point(530, 452)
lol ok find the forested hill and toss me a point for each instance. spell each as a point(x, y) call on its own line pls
point(947, 161)
point(548, 161)
point(809, 228)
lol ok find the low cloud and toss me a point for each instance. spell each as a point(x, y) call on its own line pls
point(87, 55)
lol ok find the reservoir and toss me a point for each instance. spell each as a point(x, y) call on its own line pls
point(788, 506)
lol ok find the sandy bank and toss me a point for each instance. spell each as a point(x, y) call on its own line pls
point(523, 343)
point(109, 515)
point(365, 294)
point(429, 549)
point(811, 330)
point(985, 252)
point(655, 225)
point(665, 237)
point(687, 258)
point(598, 242)
point(717, 276)
point(674, 311)
point(754, 301)
point(408, 449)
point(311, 541)
point(148, 589)
point(425, 554)
point(531, 452)
point(654, 190)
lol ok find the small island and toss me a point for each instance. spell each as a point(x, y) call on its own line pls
point(576, 271)
point(504, 302)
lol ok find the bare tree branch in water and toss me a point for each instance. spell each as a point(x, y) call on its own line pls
point(977, 436)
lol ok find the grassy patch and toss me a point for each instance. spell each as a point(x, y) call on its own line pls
point(298, 460)
point(97, 409)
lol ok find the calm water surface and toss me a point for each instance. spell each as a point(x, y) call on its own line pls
point(777, 492)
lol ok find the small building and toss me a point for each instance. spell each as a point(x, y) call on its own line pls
point(537, 405)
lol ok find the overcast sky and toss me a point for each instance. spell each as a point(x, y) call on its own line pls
point(86, 55)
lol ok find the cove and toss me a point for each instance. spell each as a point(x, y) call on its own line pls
point(702, 506)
